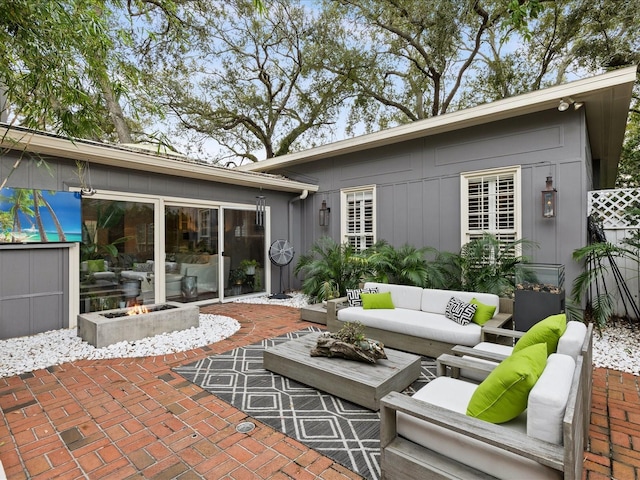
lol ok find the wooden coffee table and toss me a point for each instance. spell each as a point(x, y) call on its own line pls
point(361, 383)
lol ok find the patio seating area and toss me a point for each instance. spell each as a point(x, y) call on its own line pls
point(136, 418)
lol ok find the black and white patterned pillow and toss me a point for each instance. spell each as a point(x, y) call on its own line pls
point(459, 311)
point(353, 296)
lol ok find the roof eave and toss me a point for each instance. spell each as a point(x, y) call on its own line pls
point(44, 144)
point(594, 91)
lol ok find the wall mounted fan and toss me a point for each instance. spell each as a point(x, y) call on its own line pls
point(281, 253)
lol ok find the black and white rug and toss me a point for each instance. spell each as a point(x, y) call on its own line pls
point(345, 432)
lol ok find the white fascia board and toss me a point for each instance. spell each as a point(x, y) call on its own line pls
point(46, 144)
point(527, 103)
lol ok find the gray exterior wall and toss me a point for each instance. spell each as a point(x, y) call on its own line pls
point(418, 184)
point(33, 284)
point(61, 174)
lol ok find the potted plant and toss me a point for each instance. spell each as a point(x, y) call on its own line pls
point(249, 266)
point(237, 277)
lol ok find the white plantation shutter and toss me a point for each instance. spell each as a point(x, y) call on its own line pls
point(490, 203)
point(359, 217)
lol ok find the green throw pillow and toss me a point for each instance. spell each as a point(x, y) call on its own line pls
point(546, 331)
point(95, 266)
point(376, 300)
point(484, 313)
point(503, 395)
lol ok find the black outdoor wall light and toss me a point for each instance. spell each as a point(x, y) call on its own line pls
point(549, 198)
point(325, 213)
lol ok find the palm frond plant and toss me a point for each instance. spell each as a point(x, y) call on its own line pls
point(329, 261)
point(487, 264)
point(599, 259)
point(405, 265)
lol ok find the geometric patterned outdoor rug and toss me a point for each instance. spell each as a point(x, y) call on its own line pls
point(343, 431)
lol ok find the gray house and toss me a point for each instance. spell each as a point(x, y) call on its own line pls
point(443, 181)
point(158, 227)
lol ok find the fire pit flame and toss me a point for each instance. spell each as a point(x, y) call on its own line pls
point(137, 310)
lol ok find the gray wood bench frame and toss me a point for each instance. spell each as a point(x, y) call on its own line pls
point(409, 343)
point(402, 458)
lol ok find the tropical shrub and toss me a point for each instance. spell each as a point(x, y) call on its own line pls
point(487, 265)
point(600, 261)
point(330, 267)
point(406, 265)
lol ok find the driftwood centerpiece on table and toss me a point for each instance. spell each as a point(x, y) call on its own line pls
point(349, 343)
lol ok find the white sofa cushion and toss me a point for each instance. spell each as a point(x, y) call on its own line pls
point(454, 395)
point(430, 326)
point(548, 399)
point(571, 341)
point(403, 296)
point(485, 347)
point(435, 301)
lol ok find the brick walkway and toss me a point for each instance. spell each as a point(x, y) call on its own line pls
point(135, 418)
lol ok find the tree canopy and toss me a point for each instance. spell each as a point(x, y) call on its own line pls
point(260, 79)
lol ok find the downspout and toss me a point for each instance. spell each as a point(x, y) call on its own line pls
point(302, 196)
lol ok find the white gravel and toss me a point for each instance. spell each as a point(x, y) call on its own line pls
point(617, 348)
point(25, 354)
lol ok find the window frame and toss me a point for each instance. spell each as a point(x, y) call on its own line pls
point(344, 216)
point(465, 179)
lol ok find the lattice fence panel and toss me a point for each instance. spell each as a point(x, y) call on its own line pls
point(611, 206)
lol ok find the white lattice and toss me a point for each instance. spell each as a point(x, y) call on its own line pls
point(611, 207)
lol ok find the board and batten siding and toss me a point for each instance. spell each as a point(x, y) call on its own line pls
point(34, 289)
point(418, 184)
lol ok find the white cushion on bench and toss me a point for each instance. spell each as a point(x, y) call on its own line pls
point(403, 296)
point(548, 399)
point(430, 326)
point(454, 395)
point(505, 350)
point(571, 341)
point(435, 301)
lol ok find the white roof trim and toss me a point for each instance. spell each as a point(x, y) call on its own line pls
point(46, 144)
point(592, 88)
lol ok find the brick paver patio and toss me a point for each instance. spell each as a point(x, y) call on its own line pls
point(135, 418)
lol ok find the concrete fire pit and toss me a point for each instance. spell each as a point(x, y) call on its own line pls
point(99, 330)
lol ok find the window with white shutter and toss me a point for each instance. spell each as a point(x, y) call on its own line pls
point(358, 217)
point(491, 203)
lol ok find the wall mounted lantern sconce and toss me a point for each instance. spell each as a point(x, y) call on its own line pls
point(261, 206)
point(549, 199)
point(325, 213)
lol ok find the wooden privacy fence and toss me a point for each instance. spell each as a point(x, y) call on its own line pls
point(611, 208)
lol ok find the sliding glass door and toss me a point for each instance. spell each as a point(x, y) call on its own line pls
point(192, 266)
point(117, 258)
point(244, 245)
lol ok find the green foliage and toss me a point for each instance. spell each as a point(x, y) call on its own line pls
point(406, 265)
point(488, 265)
point(237, 276)
point(590, 284)
point(483, 265)
point(263, 88)
point(351, 332)
point(329, 261)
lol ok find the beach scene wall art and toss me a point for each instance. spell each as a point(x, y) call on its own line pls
point(30, 215)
